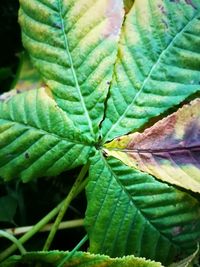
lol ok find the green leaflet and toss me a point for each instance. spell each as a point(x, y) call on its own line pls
point(169, 150)
point(158, 63)
point(74, 44)
point(37, 138)
point(52, 258)
point(129, 212)
point(28, 77)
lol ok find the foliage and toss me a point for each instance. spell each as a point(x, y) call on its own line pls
point(169, 146)
point(86, 259)
point(108, 68)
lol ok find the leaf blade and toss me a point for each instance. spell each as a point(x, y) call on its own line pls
point(157, 65)
point(37, 138)
point(78, 259)
point(76, 53)
point(135, 214)
point(169, 149)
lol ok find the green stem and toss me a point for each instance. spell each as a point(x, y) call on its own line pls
point(64, 225)
point(65, 206)
point(14, 240)
point(68, 256)
point(37, 227)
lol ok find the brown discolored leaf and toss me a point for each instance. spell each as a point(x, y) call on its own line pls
point(169, 150)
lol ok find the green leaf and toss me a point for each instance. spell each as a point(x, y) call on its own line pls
point(169, 150)
point(129, 212)
point(158, 63)
point(8, 207)
point(52, 258)
point(28, 77)
point(37, 138)
point(74, 45)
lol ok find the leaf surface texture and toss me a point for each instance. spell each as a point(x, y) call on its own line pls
point(157, 66)
point(169, 150)
point(74, 45)
point(37, 138)
point(79, 259)
point(129, 212)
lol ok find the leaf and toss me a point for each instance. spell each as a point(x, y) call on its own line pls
point(74, 45)
point(8, 207)
point(128, 5)
point(28, 77)
point(129, 212)
point(37, 138)
point(52, 258)
point(169, 150)
point(187, 262)
point(158, 63)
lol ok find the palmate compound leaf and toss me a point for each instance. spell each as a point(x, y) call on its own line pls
point(37, 138)
point(129, 212)
point(79, 259)
point(169, 150)
point(158, 63)
point(73, 43)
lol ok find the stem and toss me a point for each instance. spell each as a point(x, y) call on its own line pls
point(14, 240)
point(37, 227)
point(65, 206)
point(64, 225)
point(67, 257)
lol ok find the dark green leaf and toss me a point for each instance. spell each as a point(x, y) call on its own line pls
point(129, 212)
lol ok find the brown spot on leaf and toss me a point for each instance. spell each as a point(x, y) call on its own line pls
point(176, 230)
point(165, 23)
point(105, 154)
point(57, 25)
point(162, 9)
point(26, 155)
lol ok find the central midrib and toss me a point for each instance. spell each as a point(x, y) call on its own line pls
point(152, 151)
point(147, 78)
point(73, 70)
point(137, 206)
